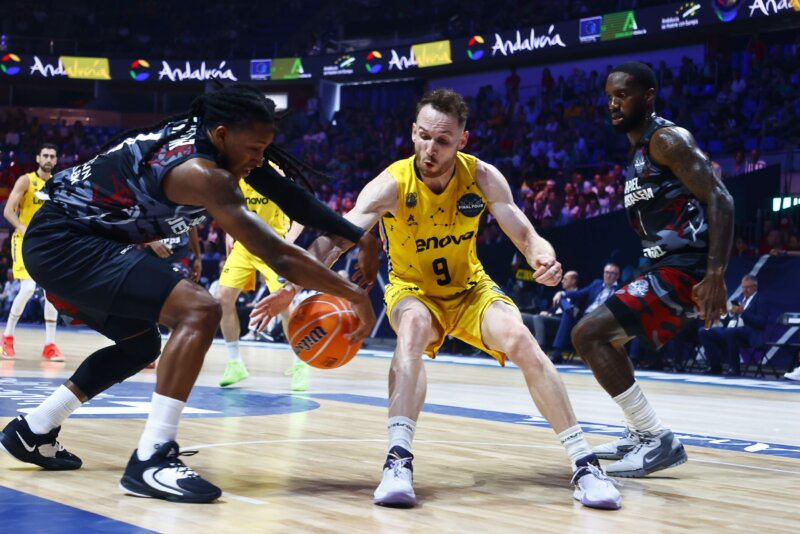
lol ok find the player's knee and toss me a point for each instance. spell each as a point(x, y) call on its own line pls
point(518, 340)
point(143, 348)
point(582, 335)
point(227, 298)
point(208, 312)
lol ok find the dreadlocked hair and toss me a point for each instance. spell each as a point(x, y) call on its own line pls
point(292, 167)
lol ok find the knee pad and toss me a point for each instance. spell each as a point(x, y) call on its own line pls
point(114, 364)
point(143, 348)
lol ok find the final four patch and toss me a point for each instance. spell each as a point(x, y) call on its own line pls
point(411, 200)
point(470, 205)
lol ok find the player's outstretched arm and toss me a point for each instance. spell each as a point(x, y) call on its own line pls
point(301, 206)
point(538, 251)
point(675, 147)
point(199, 183)
point(378, 197)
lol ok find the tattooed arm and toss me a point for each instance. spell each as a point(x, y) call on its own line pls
point(675, 147)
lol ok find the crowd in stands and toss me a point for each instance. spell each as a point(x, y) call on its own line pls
point(241, 28)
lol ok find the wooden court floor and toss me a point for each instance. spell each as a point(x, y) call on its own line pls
point(485, 460)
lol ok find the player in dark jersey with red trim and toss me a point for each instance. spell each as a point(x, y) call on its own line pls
point(684, 217)
point(150, 184)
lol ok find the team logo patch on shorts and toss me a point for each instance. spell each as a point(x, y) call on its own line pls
point(638, 288)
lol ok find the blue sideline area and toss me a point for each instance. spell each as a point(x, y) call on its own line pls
point(26, 513)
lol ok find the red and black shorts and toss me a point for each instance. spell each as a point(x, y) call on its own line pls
point(655, 306)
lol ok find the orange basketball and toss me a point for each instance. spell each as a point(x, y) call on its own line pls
point(317, 328)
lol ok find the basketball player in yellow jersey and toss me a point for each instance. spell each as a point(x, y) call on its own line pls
point(26, 198)
point(429, 206)
point(239, 274)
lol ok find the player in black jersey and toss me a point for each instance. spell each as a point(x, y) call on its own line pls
point(684, 217)
point(147, 185)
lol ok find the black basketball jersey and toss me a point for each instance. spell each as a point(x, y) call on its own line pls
point(114, 196)
point(670, 220)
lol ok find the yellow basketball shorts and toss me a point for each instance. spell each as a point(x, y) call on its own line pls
point(240, 271)
point(459, 316)
point(18, 265)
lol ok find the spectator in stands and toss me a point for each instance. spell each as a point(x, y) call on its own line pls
point(741, 248)
point(512, 85)
point(755, 162)
point(586, 299)
point(738, 164)
point(771, 242)
point(743, 328)
point(545, 325)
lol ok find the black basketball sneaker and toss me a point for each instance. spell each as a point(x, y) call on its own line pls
point(43, 450)
point(165, 476)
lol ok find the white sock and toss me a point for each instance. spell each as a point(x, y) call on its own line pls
point(52, 412)
point(161, 426)
point(574, 441)
point(233, 350)
point(401, 432)
point(11, 324)
point(639, 414)
point(50, 321)
point(49, 332)
point(26, 289)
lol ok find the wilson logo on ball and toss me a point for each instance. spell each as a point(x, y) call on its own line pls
point(314, 337)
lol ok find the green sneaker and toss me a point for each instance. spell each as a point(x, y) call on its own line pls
point(235, 371)
point(301, 376)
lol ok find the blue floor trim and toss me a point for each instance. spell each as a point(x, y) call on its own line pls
point(22, 512)
point(696, 440)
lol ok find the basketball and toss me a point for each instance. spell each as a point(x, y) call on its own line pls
point(317, 328)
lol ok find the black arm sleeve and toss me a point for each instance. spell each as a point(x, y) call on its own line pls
point(300, 205)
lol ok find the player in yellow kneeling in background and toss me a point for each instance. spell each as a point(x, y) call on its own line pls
point(27, 197)
point(239, 274)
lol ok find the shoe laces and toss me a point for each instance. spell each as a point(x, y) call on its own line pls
point(645, 439)
point(398, 464)
point(295, 368)
point(592, 469)
point(182, 469)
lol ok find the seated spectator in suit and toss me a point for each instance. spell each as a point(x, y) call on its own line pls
point(745, 326)
point(586, 299)
point(545, 325)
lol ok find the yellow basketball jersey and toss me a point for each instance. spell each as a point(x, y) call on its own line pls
point(430, 241)
point(267, 210)
point(30, 203)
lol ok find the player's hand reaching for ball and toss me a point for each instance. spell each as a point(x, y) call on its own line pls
point(271, 305)
point(548, 270)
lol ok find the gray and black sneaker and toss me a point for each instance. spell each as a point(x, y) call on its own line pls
point(165, 476)
point(43, 450)
point(655, 451)
point(617, 449)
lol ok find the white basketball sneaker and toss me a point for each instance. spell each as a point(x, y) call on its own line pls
point(655, 451)
point(593, 488)
point(396, 490)
point(617, 449)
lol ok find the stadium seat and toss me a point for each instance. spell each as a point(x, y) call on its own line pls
point(750, 143)
point(769, 143)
